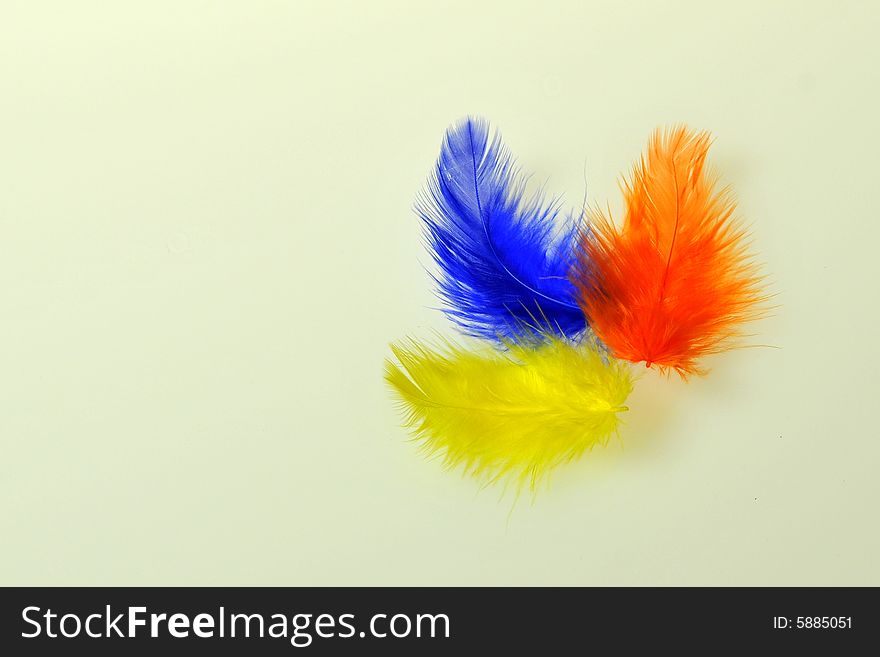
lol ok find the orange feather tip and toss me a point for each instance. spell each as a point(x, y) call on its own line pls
point(675, 282)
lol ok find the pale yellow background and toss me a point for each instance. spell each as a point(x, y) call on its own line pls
point(206, 244)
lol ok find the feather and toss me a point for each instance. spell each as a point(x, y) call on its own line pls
point(503, 261)
point(512, 414)
point(676, 281)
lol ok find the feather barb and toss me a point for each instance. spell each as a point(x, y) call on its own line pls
point(511, 414)
point(676, 282)
point(503, 260)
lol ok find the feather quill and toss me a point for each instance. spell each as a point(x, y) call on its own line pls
point(503, 260)
point(676, 282)
point(512, 414)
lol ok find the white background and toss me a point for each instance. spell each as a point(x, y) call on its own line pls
point(206, 244)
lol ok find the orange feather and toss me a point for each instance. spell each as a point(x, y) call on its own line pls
point(675, 283)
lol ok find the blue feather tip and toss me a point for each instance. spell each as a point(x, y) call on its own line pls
point(504, 261)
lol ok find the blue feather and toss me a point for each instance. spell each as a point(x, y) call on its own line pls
point(504, 262)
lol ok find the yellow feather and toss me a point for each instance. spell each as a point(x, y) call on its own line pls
point(513, 414)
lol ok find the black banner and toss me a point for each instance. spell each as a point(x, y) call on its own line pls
point(410, 621)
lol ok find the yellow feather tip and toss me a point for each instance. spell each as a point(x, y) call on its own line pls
point(509, 415)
